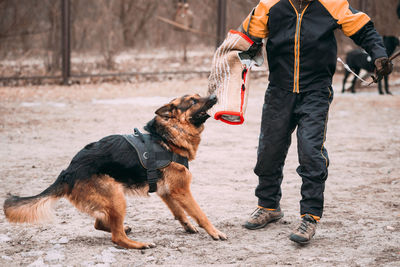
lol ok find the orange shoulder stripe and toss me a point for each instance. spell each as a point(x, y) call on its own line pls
point(340, 10)
point(258, 23)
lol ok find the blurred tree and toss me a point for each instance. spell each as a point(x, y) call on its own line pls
point(398, 10)
point(134, 15)
point(52, 43)
point(106, 27)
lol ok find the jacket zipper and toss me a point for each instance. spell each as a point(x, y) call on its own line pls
point(296, 78)
point(296, 60)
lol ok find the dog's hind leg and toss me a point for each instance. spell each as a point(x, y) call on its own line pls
point(103, 198)
point(102, 226)
point(386, 79)
point(346, 75)
point(380, 87)
point(116, 215)
point(353, 84)
point(178, 213)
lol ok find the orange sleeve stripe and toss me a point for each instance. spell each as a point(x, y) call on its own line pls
point(353, 23)
point(258, 24)
point(340, 10)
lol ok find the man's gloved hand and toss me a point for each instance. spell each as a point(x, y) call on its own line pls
point(255, 48)
point(383, 67)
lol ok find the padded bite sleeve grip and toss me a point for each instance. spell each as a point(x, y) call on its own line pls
point(229, 77)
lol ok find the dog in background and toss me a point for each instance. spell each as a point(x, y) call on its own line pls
point(100, 175)
point(358, 59)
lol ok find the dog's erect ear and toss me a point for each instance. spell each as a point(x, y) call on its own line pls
point(165, 111)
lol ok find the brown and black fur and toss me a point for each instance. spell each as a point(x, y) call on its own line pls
point(103, 172)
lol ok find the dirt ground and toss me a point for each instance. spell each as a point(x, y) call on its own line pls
point(41, 128)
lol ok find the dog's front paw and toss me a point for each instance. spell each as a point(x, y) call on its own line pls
point(218, 235)
point(148, 245)
point(189, 228)
point(127, 229)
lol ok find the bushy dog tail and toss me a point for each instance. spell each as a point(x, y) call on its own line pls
point(35, 208)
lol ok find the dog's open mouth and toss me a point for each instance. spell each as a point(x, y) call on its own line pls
point(201, 115)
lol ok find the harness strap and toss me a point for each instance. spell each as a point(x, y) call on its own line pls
point(153, 174)
point(181, 160)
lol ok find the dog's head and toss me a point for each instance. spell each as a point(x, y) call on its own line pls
point(189, 108)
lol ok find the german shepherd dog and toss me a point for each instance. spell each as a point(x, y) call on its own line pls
point(100, 175)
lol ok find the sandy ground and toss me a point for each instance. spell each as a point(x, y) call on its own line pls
point(41, 128)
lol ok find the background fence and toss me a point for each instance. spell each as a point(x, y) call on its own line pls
point(128, 39)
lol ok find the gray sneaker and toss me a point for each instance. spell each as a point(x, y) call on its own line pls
point(261, 217)
point(305, 231)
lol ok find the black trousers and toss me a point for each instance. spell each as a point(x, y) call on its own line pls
point(283, 111)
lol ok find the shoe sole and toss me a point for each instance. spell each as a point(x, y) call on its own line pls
point(265, 224)
point(301, 242)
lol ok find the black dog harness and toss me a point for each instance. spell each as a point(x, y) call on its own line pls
point(153, 156)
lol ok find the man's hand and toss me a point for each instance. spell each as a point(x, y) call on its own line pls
point(255, 49)
point(383, 67)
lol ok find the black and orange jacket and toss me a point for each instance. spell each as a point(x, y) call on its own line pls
point(301, 47)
